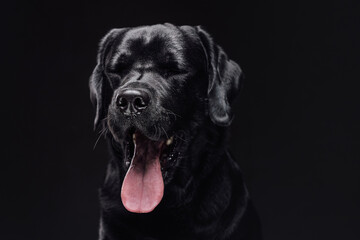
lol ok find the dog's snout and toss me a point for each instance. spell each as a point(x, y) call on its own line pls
point(132, 101)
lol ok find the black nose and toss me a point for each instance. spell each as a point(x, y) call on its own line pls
point(132, 101)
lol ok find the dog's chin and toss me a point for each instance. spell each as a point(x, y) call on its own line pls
point(150, 163)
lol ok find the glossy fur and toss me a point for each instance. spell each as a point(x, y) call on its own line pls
point(192, 83)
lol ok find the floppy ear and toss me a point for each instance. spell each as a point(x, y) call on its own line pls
point(224, 80)
point(98, 84)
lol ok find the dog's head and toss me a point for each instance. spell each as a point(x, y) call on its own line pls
point(151, 87)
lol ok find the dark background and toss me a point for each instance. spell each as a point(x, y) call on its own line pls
point(295, 135)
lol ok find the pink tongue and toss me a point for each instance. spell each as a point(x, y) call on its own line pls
point(143, 185)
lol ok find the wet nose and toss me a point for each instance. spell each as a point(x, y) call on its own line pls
point(132, 101)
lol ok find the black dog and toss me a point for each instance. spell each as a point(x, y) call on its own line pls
point(162, 95)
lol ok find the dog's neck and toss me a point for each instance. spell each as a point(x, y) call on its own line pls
point(206, 152)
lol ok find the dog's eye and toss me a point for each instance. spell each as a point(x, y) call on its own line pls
point(120, 68)
point(171, 69)
point(123, 63)
point(168, 72)
point(117, 72)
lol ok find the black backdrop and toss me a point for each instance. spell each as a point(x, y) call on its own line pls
point(295, 135)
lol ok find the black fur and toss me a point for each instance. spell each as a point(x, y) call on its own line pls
point(192, 83)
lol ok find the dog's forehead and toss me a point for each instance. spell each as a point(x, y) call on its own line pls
point(152, 40)
point(169, 36)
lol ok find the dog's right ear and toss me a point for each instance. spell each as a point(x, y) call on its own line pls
point(224, 80)
point(98, 83)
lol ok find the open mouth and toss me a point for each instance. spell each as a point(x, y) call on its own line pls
point(148, 163)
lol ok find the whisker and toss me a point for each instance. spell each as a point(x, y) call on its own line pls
point(100, 135)
point(171, 112)
point(167, 137)
point(178, 136)
point(156, 131)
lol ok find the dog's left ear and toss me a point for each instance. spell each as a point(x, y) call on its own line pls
point(98, 84)
point(224, 80)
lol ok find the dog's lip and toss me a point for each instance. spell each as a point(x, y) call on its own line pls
point(132, 131)
point(168, 141)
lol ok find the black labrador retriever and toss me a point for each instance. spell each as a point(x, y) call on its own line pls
point(162, 95)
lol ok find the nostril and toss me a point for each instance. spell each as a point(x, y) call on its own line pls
point(122, 102)
point(139, 103)
point(131, 101)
